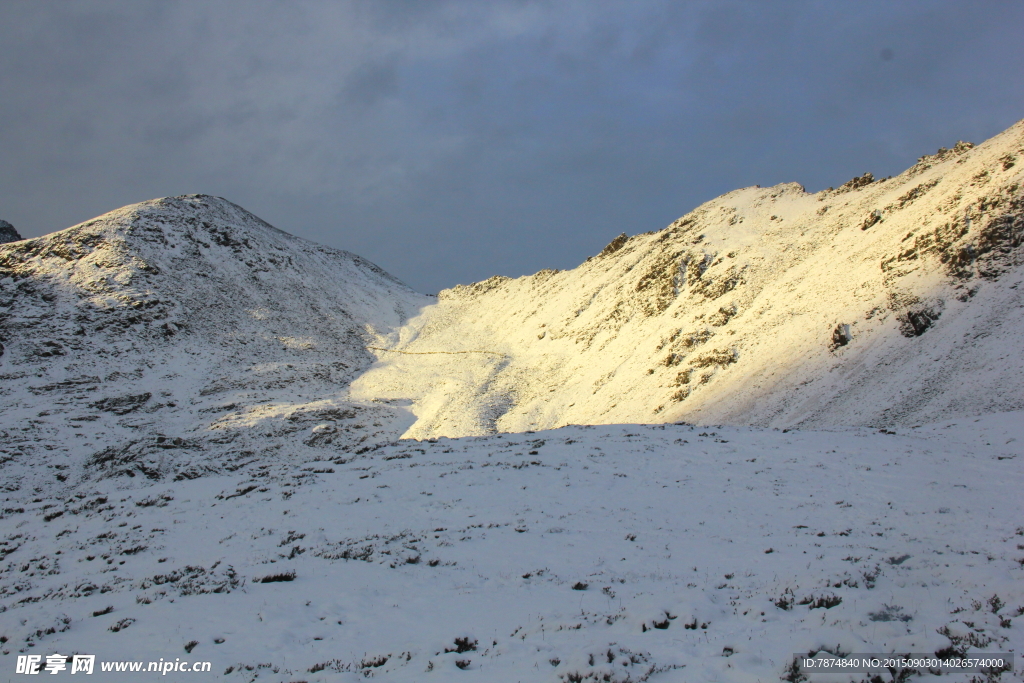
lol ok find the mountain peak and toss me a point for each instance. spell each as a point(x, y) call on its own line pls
point(8, 233)
point(180, 318)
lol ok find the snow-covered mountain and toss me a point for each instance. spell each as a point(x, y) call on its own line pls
point(180, 336)
point(200, 452)
point(881, 302)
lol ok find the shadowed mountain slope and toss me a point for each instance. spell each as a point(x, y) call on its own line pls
point(179, 336)
point(8, 233)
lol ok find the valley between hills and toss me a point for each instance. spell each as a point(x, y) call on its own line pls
point(787, 423)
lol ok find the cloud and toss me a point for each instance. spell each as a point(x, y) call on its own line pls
point(453, 140)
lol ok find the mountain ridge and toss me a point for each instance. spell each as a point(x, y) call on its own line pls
point(673, 323)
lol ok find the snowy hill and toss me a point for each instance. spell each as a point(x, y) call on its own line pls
point(882, 302)
point(171, 338)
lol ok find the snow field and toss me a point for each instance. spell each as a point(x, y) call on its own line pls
point(662, 553)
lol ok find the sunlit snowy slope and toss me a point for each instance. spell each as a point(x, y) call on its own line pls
point(881, 302)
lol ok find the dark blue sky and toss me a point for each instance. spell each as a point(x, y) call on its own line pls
point(452, 141)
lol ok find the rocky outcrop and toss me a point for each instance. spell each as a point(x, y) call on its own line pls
point(8, 233)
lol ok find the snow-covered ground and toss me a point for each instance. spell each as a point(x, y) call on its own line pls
point(610, 553)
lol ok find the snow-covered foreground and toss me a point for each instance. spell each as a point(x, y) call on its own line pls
point(610, 553)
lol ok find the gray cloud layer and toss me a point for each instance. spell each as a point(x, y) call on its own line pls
point(450, 141)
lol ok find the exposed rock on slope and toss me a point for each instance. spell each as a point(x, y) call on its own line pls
point(173, 337)
point(879, 302)
point(8, 233)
